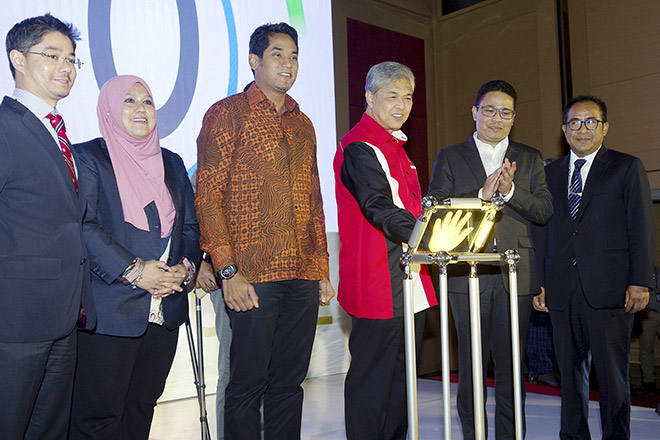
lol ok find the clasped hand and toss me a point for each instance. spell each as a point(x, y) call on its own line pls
point(161, 280)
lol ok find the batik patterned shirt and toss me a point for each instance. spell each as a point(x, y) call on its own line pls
point(259, 200)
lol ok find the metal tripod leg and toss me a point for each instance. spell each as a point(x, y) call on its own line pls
point(197, 359)
point(512, 258)
point(444, 341)
point(411, 363)
point(475, 339)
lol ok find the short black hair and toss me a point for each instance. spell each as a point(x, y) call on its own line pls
point(260, 38)
point(585, 98)
point(31, 31)
point(497, 85)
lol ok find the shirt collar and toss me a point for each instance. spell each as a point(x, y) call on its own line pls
point(36, 105)
point(503, 144)
point(380, 135)
point(256, 96)
point(589, 157)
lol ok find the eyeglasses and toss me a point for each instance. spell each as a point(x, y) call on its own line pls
point(490, 111)
point(576, 124)
point(57, 59)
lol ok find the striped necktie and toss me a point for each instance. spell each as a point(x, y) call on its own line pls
point(575, 189)
point(65, 146)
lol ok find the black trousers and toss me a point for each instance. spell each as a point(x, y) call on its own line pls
point(36, 380)
point(118, 381)
point(375, 387)
point(495, 342)
point(270, 351)
point(582, 334)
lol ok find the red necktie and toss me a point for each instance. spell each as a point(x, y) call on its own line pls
point(65, 146)
point(58, 124)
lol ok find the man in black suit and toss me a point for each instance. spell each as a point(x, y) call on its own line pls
point(43, 266)
point(599, 266)
point(487, 163)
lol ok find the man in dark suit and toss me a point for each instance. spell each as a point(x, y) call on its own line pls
point(487, 163)
point(599, 266)
point(43, 266)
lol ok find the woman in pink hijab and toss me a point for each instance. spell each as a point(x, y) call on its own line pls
point(142, 239)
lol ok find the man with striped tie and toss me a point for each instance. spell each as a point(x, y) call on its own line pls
point(44, 272)
point(599, 266)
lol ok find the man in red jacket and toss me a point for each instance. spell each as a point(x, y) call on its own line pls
point(378, 200)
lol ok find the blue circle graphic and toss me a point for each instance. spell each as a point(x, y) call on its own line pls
point(174, 110)
point(233, 57)
point(233, 47)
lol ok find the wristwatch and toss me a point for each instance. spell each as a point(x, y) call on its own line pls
point(227, 272)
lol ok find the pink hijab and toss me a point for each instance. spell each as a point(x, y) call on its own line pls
point(137, 163)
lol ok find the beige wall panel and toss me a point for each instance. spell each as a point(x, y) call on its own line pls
point(340, 48)
point(654, 181)
point(515, 40)
point(632, 110)
point(529, 129)
point(615, 54)
point(501, 50)
point(579, 54)
point(550, 101)
point(612, 41)
point(622, 39)
point(464, 127)
point(422, 7)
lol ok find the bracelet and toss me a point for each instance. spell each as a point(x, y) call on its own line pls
point(190, 268)
point(136, 281)
point(133, 273)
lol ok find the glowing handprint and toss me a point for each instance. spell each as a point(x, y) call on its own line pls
point(447, 233)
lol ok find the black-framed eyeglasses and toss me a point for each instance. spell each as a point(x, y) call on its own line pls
point(489, 111)
point(576, 124)
point(58, 59)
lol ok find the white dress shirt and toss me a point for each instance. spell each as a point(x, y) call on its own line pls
point(584, 171)
point(491, 159)
point(40, 109)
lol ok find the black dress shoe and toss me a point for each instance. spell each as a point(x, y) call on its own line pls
point(650, 387)
point(548, 379)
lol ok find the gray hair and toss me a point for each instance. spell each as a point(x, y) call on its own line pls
point(386, 73)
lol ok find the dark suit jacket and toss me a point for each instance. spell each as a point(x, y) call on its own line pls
point(122, 310)
point(458, 172)
point(43, 267)
point(612, 238)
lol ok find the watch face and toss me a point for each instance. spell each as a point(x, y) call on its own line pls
point(228, 272)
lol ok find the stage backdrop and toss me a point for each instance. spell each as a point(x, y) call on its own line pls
point(192, 54)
